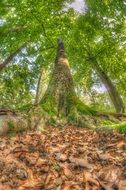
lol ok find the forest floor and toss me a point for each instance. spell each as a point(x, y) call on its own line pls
point(68, 158)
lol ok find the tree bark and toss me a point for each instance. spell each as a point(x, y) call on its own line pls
point(113, 93)
point(60, 92)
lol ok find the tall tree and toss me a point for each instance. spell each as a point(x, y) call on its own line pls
point(60, 97)
point(60, 92)
point(101, 29)
point(112, 91)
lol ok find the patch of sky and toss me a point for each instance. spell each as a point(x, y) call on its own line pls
point(2, 21)
point(78, 5)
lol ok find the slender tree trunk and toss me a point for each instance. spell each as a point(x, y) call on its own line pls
point(38, 89)
point(60, 92)
point(113, 93)
point(10, 57)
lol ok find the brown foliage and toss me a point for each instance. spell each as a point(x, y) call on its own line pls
point(63, 159)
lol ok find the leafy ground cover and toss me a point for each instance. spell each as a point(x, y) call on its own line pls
point(66, 158)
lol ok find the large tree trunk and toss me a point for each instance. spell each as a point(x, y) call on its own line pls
point(60, 93)
point(113, 93)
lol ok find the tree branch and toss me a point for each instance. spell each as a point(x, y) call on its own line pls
point(13, 30)
point(10, 57)
point(43, 27)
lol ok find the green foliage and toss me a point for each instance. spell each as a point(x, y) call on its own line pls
point(122, 128)
point(97, 34)
point(108, 125)
point(84, 109)
point(52, 120)
point(107, 122)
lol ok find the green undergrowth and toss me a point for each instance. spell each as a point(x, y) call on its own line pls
point(120, 127)
point(84, 109)
point(50, 107)
point(75, 112)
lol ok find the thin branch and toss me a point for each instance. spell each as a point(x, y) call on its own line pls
point(10, 57)
point(13, 30)
point(43, 27)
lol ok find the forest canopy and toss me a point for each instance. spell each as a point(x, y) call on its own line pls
point(95, 44)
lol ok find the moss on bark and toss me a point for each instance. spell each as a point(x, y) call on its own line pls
point(60, 98)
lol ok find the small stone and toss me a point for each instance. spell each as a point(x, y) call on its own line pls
point(21, 174)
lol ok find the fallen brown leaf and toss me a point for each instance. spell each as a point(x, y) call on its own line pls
point(81, 162)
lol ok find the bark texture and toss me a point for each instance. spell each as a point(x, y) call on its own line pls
point(113, 93)
point(60, 92)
